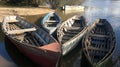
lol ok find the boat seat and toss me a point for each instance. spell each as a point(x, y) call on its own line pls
point(51, 21)
point(74, 28)
point(98, 35)
point(73, 32)
point(51, 25)
point(12, 21)
point(70, 35)
point(100, 49)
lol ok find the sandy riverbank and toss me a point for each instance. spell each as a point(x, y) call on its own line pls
point(23, 11)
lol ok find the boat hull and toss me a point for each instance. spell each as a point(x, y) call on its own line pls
point(39, 56)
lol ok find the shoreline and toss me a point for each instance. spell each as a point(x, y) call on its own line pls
point(24, 11)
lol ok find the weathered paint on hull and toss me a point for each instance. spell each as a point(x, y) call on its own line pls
point(42, 58)
point(73, 43)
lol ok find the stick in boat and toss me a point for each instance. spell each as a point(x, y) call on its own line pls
point(21, 31)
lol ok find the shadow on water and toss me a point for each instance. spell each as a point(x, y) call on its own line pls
point(73, 59)
point(20, 59)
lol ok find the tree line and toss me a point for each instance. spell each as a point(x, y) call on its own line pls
point(24, 2)
point(35, 3)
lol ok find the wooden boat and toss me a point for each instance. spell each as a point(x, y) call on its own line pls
point(99, 43)
point(70, 32)
point(32, 41)
point(51, 21)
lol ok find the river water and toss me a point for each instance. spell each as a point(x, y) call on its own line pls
point(108, 9)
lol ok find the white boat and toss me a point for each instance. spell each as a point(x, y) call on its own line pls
point(70, 32)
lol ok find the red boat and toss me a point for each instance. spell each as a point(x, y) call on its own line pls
point(32, 41)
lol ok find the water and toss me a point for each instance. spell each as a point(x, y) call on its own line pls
point(108, 9)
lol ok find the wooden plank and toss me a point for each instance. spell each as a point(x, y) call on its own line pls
point(41, 39)
point(15, 27)
point(71, 27)
point(35, 41)
point(98, 35)
point(51, 21)
point(21, 31)
point(95, 48)
point(12, 21)
point(30, 41)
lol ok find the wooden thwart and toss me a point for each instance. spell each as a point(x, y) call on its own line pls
point(52, 21)
point(12, 21)
point(71, 27)
point(98, 35)
point(21, 31)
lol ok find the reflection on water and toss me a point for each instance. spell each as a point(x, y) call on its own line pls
point(5, 60)
point(95, 9)
point(73, 59)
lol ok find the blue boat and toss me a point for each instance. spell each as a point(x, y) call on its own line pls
point(50, 22)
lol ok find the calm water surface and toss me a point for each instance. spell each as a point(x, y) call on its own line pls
point(11, 57)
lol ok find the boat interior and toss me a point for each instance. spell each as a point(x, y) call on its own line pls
point(52, 21)
point(70, 28)
point(36, 37)
point(99, 42)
